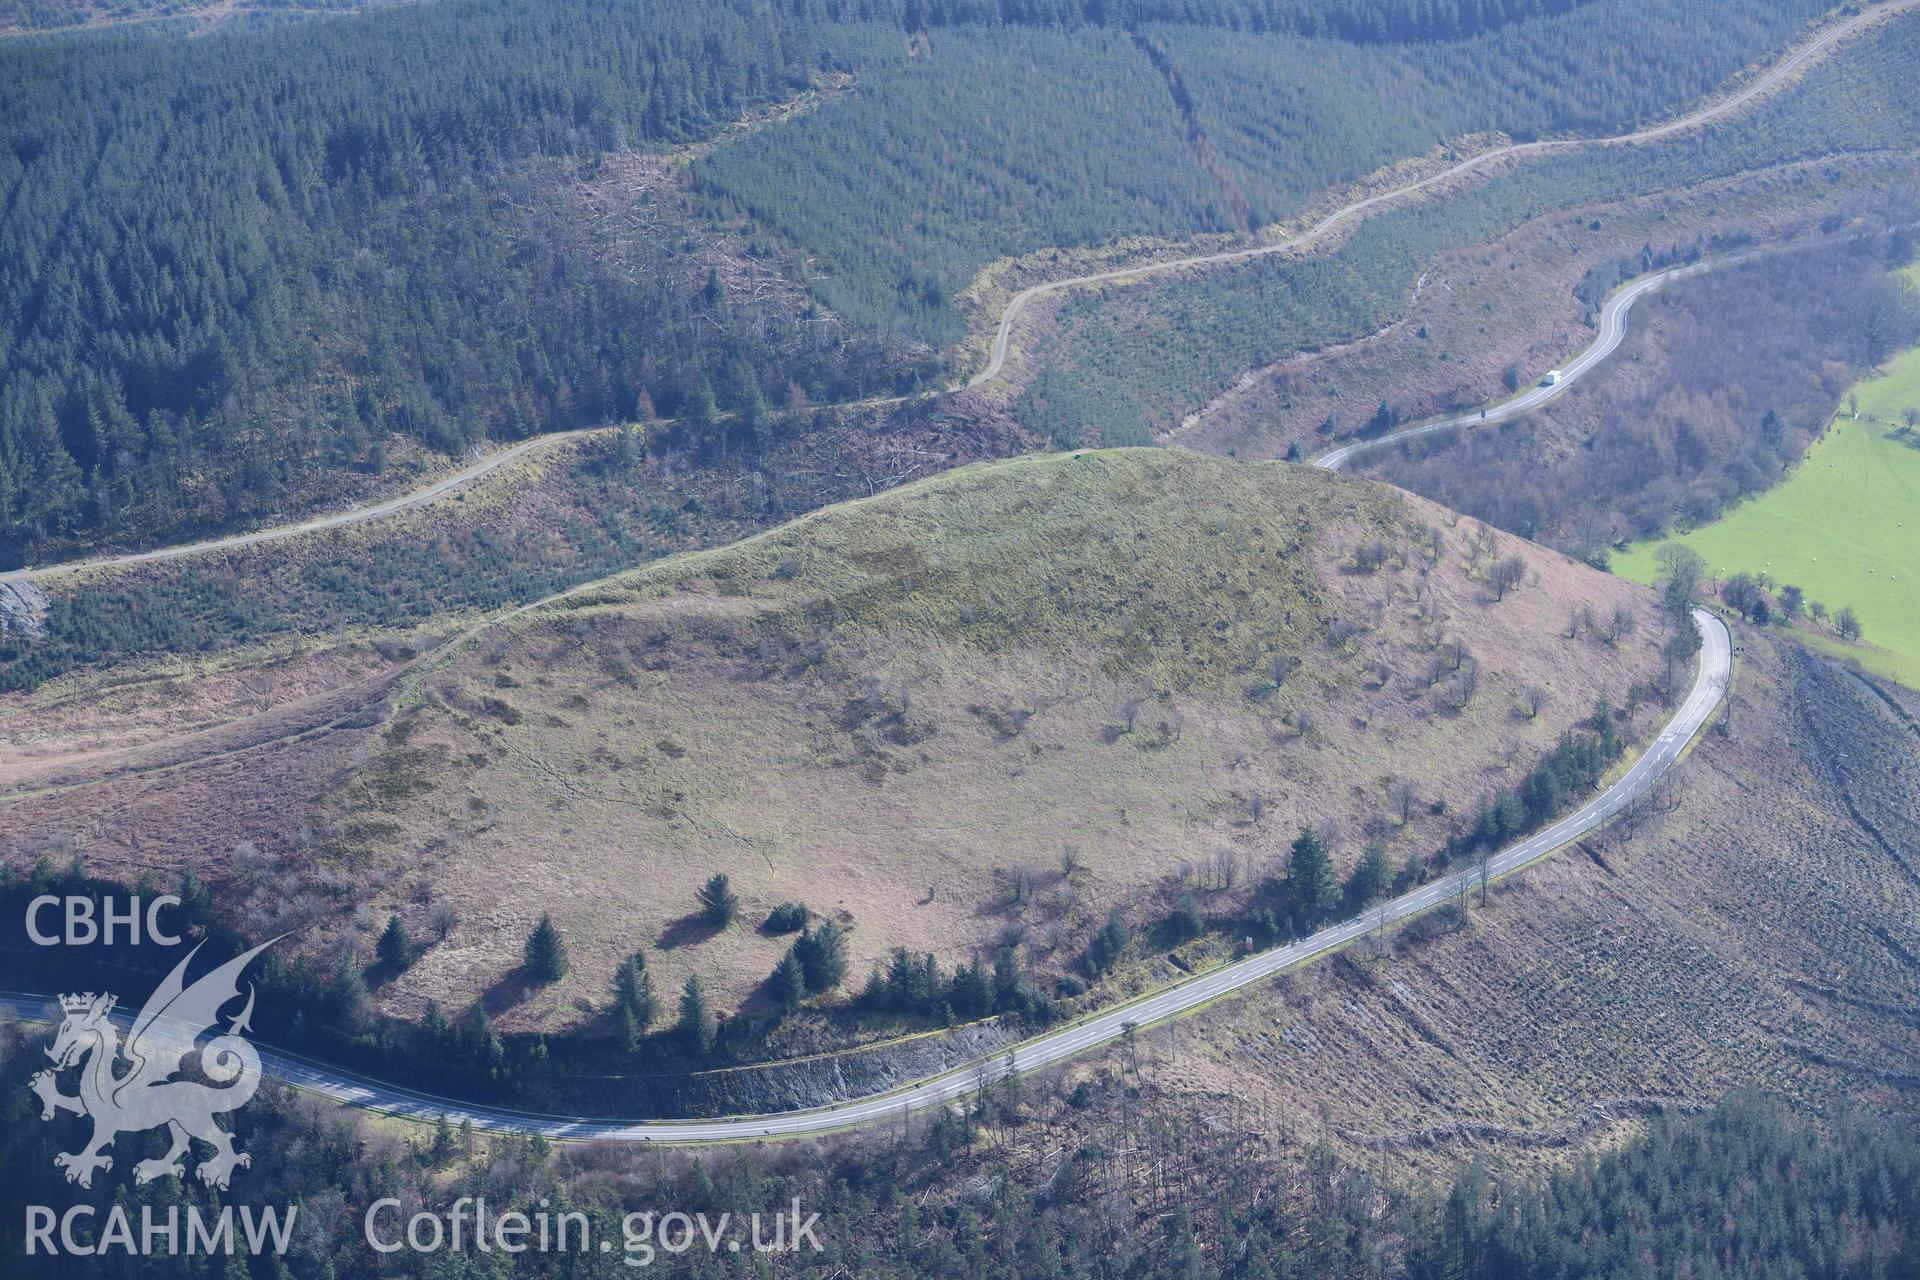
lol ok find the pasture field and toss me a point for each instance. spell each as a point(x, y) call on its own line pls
point(1844, 527)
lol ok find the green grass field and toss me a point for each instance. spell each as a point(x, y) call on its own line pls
point(1844, 527)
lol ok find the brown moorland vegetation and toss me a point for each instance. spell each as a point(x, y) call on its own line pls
point(1754, 927)
point(877, 709)
point(1504, 313)
point(1719, 388)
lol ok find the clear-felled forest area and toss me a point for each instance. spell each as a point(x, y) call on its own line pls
point(290, 263)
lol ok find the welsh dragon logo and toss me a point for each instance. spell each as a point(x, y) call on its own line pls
point(146, 1095)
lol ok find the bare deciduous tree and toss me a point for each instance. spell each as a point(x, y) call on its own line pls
point(1370, 556)
point(1403, 798)
point(1681, 570)
point(1532, 699)
point(1506, 575)
point(1449, 656)
point(1620, 624)
point(1462, 685)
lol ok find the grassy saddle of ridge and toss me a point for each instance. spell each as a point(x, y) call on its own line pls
point(901, 710)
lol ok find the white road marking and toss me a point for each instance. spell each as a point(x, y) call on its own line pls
point(1044, 1050)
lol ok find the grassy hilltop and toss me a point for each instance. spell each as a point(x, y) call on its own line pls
point(902, 711)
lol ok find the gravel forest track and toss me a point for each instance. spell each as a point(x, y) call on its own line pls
point(1772, 78)
point(341, 706)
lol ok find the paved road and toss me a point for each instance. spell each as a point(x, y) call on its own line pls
point(1056, 1046)
point(1613, 331)
point(1613, 320)
point(1775, 75)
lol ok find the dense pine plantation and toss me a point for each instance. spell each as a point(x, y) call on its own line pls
point(50, 15)
point(1747, 1190)
point(1355, 20)
point(232, 267)
point(980, 141)
point(1118, 368)
point(244, 274)
point(999, 141)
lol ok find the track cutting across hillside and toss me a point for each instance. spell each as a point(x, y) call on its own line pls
point(1772, 78)
point(1612, 332)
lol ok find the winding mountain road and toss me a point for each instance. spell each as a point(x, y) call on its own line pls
point(1612, 332)
point(1052, 1047)
point(350, 515)
point(1762, 84)
point(1770, 79)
